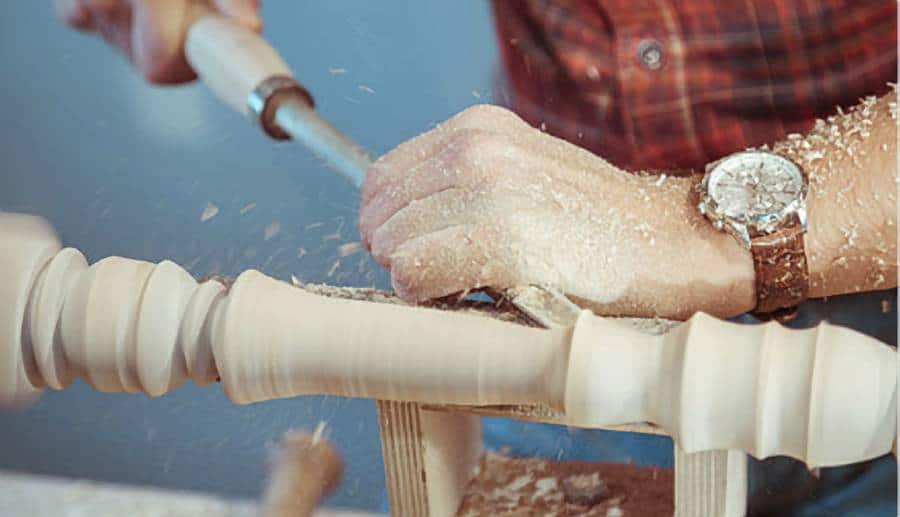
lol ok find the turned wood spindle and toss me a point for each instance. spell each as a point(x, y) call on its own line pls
point(825, 395)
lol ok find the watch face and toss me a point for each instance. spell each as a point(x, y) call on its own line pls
point(756, 187)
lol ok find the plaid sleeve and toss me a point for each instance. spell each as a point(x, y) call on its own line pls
point(666, 84)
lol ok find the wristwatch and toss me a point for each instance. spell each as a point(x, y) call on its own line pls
point(759, 197)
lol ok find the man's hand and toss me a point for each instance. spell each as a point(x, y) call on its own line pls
point(486, 200)
point(151, 32)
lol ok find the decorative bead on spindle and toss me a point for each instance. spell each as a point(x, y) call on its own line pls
point(824, 395)
point(123, 325)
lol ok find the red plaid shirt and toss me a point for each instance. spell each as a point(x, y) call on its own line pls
point(674, 84)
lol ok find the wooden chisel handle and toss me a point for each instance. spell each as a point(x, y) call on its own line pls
point(240, 67)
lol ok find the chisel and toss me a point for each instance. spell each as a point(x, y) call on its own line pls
point(248, 75)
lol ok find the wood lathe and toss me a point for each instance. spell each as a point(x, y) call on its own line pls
point(127, 325)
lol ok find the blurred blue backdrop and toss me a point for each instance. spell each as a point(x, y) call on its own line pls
point(123, 168)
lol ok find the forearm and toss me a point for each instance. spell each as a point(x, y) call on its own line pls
point(851, 243)
point(681, 263)
point(851, 161)
point(486, 200)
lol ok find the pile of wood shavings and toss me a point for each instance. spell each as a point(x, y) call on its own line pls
point(510, 487)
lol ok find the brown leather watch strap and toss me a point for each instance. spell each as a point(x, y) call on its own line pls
point(782, 276)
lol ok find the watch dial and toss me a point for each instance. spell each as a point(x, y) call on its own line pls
point(755, 185)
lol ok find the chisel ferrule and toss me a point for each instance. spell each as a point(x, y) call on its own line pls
point(264, 100)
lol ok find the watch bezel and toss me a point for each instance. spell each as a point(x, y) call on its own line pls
point(746, 228)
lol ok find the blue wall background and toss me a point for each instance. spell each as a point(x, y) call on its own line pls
point(123, 168)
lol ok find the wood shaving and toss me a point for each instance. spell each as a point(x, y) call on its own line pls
point(334, 268)
point(349, 248)
point(209, 211)
point(272, 230)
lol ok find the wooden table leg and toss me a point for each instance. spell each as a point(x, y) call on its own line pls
point(429, 457)
point(710, 484)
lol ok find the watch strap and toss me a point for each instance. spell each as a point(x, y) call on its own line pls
point(782, 275)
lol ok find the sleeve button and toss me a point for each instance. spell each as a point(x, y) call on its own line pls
point(650, 54)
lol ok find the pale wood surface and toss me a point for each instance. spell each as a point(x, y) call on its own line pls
point(710, 484)
point(429, 458)
point(127, 325)
point(25, 495)
point(402, 453)
point(452, 447)
point(26, 244)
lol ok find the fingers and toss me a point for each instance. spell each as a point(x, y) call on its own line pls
point(244, 12)
point(151, 33)
point(426, 204)
point(74, 14)
point(160, 29)
point(447, 168)
point(449, 261)
point(404, 158)
point(445, 209)
point(398, 162)
point(112, 19)
point(472, 159)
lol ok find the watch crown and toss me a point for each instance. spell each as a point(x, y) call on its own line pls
point(702, 207)
point(718, 224)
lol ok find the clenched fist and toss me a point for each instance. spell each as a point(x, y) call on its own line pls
point(151, 32)
point(487, 200)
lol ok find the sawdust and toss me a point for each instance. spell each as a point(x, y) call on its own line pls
point(272, 230)
point(349, 248)
point(334, 268)
point(508, 487)
point(209, 211)
point(850, 256)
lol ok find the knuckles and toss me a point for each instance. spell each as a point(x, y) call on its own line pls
point(480, 152)
point(480, 156)
point(485, 116)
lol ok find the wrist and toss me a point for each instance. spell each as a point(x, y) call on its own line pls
point(718, 267)
point(680, 264)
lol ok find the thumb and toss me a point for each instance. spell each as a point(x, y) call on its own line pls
point(245, 12)
point(158, 38)
point(74, 13)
